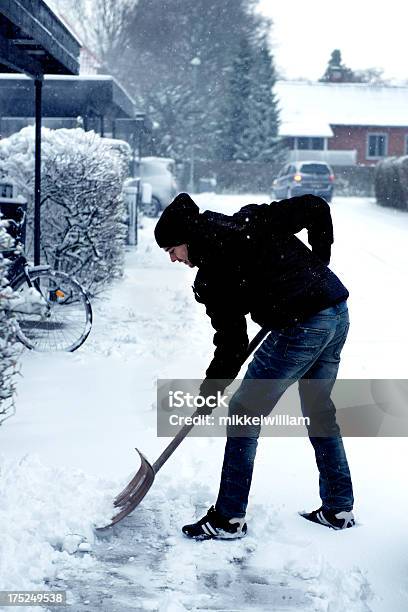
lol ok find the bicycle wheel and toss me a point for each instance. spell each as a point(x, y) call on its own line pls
point(56, 314)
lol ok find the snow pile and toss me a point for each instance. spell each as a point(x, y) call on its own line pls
point(82, 209)
point(45, 514)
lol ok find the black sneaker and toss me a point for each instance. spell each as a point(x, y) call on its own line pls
point(213, 526)
point(330, 518)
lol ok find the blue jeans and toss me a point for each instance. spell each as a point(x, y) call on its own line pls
point(309, 353)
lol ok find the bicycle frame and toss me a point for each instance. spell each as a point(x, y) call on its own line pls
point(24, 269)
point(28, 269)
point(41, 296)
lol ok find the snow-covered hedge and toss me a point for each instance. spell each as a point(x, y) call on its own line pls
point(391, 182)
point(82, 207)
point(8, 347)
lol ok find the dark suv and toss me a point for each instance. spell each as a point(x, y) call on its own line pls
point(298, 178)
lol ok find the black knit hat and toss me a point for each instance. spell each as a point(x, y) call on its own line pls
point(177, 222)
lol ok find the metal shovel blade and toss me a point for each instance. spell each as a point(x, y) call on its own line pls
point(138, 478)
point(134, 492)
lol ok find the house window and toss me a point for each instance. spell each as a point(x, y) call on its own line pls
point(309, 143)
point(377, 145)
point(6, 191)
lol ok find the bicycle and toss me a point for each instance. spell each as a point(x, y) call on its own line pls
point(52, 310)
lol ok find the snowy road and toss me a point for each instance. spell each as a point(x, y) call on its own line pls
point(69, 449)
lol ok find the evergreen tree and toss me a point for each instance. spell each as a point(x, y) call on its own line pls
point(264, 144)
point(248, 122)
point(234, 121)
point(336, 71)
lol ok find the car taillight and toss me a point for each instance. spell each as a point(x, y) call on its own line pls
point(297, 178)
point(331, 178)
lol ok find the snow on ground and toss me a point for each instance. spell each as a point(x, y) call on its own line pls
point(69, 449)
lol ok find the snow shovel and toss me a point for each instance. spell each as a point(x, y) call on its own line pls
point(135, 491)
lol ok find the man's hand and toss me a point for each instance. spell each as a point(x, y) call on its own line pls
point(209, 389)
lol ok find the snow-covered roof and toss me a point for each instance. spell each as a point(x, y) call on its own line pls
point(309, 108)
point(53, 6)
point(65, 96)
point(73, 78)
point(36, 40)
point(313, 126)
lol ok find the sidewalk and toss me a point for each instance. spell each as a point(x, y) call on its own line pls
point(70, 449)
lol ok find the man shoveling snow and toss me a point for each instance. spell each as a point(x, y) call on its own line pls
point(251, 262)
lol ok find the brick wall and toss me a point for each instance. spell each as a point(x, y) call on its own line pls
point(352, 137)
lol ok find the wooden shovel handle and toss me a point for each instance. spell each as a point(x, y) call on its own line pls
point(179, 437)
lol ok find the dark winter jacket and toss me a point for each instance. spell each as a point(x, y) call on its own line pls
point(251, 262)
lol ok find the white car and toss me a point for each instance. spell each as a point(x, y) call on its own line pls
point(159, 172)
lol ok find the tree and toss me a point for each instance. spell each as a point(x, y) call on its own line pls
point(105, 27)
point(264, 143)
point(234, 121)
point(149, 45)
point(168, 35)
point(373, 76)
point(336, 71)
point(170, 109)
point(248, 123)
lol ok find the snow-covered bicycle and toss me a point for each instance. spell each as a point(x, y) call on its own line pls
point(52, 310)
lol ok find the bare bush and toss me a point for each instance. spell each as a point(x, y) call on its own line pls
point(82, 208)
point(391, 182)
point(8, 348)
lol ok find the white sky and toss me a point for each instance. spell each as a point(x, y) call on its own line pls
point(368, 35)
